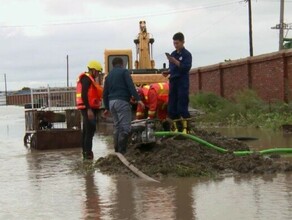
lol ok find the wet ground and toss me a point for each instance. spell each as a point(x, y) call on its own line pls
point(44, 185)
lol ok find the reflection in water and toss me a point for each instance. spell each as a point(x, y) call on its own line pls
point(185, 201)
point(124, 207)
point(262, 197)
point(41, 185)
point(154, 201)
point(122, 198)
point(92, 201)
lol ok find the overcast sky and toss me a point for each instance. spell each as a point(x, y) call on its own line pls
point(36, 35)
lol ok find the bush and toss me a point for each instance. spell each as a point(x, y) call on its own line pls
point(246, 109)
point(247, 100)
point(208, 101)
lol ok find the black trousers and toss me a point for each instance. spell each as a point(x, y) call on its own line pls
point(89, 128)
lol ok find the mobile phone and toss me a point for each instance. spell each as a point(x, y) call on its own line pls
point(167, 54)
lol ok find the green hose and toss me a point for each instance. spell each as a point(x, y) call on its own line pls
point(222, 150)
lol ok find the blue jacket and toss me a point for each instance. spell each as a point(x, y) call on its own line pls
point(119, 85)
point(185, 58)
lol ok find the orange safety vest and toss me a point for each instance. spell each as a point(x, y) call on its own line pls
point(159, 102)
point(140, 110)
point(145, 90)
point(94, 93)
point(161, 90)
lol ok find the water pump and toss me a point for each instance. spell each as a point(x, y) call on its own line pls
point(143, 131)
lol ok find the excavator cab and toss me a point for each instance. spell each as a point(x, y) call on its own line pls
point(125, 54)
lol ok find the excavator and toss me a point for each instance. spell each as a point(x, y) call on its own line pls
point(144, 71)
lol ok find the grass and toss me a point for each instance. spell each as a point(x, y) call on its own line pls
point(246, 109)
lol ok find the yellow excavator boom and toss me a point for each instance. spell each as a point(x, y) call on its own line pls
point(144, 71)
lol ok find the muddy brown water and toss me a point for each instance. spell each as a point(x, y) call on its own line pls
point(42, 185)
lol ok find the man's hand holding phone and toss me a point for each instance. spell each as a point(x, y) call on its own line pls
point(172, 59)
point(167, 55)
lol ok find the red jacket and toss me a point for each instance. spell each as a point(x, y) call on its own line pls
point(94, 93)
point(156, 99)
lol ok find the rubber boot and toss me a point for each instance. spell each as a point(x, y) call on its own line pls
point(185, 126)
point(116, 141)
point(88, 155)
point(123, 142)
point(175, 126)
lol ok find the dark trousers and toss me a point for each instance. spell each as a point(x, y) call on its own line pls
point(178, 99)
point(89, 127)
point(122, 116)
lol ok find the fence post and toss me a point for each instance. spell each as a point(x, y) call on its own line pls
point(49, 98)
point(31, 97)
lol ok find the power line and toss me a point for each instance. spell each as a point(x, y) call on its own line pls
point(161, 13)
point(220, 19)
point(286, 1)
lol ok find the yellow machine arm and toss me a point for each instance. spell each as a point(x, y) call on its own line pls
point(144, 50)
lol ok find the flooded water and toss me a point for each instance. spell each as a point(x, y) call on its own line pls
point(265, 138)
point(42, 185)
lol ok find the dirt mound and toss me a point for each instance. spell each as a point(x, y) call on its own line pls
point(177, 156)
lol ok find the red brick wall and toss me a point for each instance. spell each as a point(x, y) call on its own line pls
point(235, 78)
point(194, 82)
point(268, 79)
point(270, 75)
point(210, 81)
point(289, 75)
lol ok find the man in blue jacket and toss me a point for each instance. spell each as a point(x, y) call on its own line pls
point(117, 92)
point(180, 63)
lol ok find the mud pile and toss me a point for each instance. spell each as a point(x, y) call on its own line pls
point(177, 156)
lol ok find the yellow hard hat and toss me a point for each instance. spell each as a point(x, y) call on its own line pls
point(93, 64)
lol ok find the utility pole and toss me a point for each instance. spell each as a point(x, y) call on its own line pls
point(250, 27)
point(281, 30)
point(283, 26)
point(67, 58)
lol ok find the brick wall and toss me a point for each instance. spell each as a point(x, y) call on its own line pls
point(270, 75)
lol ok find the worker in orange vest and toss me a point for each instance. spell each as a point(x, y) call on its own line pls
point(88, 100)
point(155, 99)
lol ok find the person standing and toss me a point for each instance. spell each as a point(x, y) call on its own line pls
point(88, 100)
point(180, 63)
point(118, 90)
